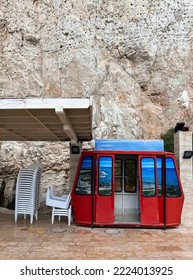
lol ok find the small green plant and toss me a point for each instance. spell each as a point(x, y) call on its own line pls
point(168, 138)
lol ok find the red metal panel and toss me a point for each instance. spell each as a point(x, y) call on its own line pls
point(149, 210)
point(82, 209)
point(161, 209)
point(104, 210)
point(173, 210)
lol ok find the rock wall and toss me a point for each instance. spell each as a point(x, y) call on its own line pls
point(134, 57)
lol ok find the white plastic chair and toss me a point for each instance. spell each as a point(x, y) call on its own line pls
point(61, 205)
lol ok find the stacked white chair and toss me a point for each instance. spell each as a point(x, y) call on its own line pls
point(27, 200)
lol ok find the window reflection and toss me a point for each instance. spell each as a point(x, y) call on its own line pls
point(148, 177)
point(84, 180)
point(105, 175)
point(172, 184)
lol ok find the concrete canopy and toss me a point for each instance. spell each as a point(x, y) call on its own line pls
point(46, 119)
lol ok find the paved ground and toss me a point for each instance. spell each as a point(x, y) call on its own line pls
point(42, 240)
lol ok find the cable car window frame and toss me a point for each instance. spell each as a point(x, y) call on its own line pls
point(142, 183)
point(135, 179)
point(99, 190)
point(119, 176)
point(177, 179)
point(91, 177)
point(160, 193)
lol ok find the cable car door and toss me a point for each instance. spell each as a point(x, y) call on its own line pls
point(82, 191)
point(174, 193)
point(149, 206)
point(104, 190)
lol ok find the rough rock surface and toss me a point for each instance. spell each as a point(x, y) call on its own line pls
point(134, 57)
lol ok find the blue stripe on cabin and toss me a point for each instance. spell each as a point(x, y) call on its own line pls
point(129, 145)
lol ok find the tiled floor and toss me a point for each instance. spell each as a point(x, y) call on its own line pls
point(42, 240)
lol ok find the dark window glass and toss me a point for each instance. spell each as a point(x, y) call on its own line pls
point(148, 177)
point(118, 175)
point(172, 184)
point(130, 176)
point(159, 175)
point(105, 175)
point(84, 179)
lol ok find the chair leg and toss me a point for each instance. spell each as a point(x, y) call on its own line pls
point(52, 215)
point(69, 218)
point(69, 215)
point(36, 214)
point(31, 219)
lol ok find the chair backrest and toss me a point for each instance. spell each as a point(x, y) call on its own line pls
point(68, 200)
point(49, 195)
point(57, 201)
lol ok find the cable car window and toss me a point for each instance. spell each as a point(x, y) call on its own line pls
point(172, 183)
point(105, 176)
point(118, 175)
point(130, 176)
point(148, 177)
point(159, 175)
point(85, 177)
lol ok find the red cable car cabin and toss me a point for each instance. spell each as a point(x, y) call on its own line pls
point(127, 188)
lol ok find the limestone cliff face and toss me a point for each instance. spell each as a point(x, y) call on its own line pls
point(134, 57)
